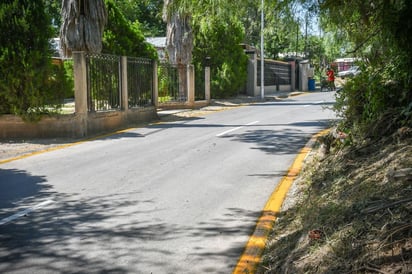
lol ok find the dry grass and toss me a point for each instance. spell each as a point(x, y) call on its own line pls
point(357, 201)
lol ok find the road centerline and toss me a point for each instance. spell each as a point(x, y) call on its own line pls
point(236, 128)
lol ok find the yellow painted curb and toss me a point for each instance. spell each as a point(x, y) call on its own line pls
point(255, 246)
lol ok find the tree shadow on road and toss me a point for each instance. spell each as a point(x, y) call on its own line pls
point(280, 139)
point(17, 186)
point(114, 233)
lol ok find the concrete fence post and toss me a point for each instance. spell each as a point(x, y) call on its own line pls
point(80, 92)
point(252, 88)
point(155, 85)
point(292, 76)
point(124, 89)
point(190, 85)
point(207, 84)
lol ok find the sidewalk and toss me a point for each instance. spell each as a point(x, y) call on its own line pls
point(222, 104)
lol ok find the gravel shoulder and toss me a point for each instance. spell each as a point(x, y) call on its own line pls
point(10, 149)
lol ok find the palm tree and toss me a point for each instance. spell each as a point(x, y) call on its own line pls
point(179, 38)
point(83, 25)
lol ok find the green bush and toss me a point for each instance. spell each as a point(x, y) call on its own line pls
point(378, 101)
point(124, 38)
point(62, 80)
point(374, 103)
point(220, 40)
point(28, 80)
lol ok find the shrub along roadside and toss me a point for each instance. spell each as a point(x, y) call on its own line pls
point(28, 80)
point(220, 40)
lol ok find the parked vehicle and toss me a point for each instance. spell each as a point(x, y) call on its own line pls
point(353, 71)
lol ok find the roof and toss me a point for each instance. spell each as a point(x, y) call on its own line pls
point(157, 42)
point(347, 60)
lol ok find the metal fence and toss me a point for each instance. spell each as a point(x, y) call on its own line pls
point(140, 82)
point(276, 73)
point(200, 84)
point(103, 82)
point(108, 75)
point(170, 88)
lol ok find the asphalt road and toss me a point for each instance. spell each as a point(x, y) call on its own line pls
point(179, 197)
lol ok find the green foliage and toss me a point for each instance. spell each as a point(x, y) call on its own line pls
point(220, 26)
point(64, 78)
point(147, 12)
point(53, 9)
point(27, 82)
point(372, 105)
point(124, 38)
point(282, 30)
point(284, 27)
point(220, 39)
point(380, 32)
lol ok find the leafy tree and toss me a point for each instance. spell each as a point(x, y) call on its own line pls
point(124, 38)
point(53, 9)
point(147, 12)
point(217, 35)
point(248, 12)
point(220, 40)
point(315, 48)
point(281, 27)
point(379, 100)
point(282, 23)
point(26, 82)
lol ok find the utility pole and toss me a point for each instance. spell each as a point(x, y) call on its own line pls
point(306, 34)
point(262, 55)
point(297, 39)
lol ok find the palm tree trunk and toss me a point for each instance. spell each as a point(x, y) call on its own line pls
point(83, 25)
point(179, 41)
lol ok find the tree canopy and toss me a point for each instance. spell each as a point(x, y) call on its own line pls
point(378, 32)
point(121, 37)
point(147, 12)
point(379, 100)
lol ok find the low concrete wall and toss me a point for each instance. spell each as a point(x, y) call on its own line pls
point(72, 125)
point(274, 89)
point(59, 126)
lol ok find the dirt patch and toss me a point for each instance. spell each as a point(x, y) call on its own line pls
point(351, 212)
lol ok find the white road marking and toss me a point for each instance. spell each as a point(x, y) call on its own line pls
point(315, 103)
point(24, 212)
point(236, 128)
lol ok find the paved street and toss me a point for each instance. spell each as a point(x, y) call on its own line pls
point(177, 197)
